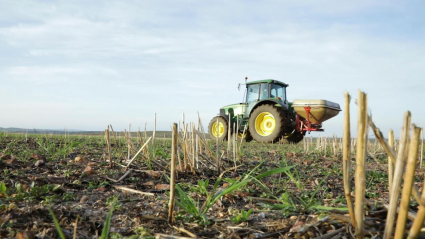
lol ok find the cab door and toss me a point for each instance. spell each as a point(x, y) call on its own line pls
point(255, 93)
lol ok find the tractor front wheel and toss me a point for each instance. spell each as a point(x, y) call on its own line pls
point(217, 128)
point(267, 123)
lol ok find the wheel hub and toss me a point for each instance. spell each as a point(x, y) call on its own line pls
point(217, 130)
point(265, 124)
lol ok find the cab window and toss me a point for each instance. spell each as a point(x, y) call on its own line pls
point(278, 91)
point(253, 91)
point(264, 91)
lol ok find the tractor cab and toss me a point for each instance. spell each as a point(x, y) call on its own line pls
point(259, 92)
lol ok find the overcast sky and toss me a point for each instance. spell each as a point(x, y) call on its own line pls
point(87, 64)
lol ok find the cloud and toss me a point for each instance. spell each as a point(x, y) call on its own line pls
point(127, 60)
point(45, 72)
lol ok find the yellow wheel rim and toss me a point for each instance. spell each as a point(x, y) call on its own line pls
point(265, 124)
point(240, 135)
point(220, 129)
point(287, 135)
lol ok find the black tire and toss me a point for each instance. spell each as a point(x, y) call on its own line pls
point(212, 129)
point(267, 123)
point(295, 138)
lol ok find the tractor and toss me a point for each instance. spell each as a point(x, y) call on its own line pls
point(267, 116)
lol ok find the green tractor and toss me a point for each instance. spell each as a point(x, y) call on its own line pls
point(267, 116)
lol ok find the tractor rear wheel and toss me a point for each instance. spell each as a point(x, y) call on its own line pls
point(295, 138)
point(267, 123)
point(217, 128)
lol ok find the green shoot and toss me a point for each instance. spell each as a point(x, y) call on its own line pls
point(58, 227)
point(242, 217)
point(3, 188)
point(107, 224)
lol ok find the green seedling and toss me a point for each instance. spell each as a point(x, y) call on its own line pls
point(198, 212)
point(58, 228)
point(3, 188)
point(34, 192)
point(69, 196)
point(106, 225)
point(143, 232)
point(202, 187)
point(18, 187)
point(93, 185)
point(241, 217)
point(160, 152)
point(2, 206)
point(304, 201)
point(67, 173)
point(50, 199)
point(287, 204)
point(189, 205)
point(113, 200)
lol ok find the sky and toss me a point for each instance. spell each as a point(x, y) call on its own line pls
point(86, 64)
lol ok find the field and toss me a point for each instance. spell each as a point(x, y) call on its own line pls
point(259, 190)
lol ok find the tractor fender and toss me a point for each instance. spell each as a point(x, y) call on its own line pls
point(224, 116)
point(269, 102)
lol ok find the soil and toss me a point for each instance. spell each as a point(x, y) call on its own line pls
point(79, 184)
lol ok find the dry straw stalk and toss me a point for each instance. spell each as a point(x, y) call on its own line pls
point(208, 150)
point(391, 156)
point(138, 152)
point(419, 220)
point(194, 163)
point(390, 162)
point(172, 173)
point(108, 142)
point(408, 182)
point(398, 174)
point(422, 145)
point(129, 142)
point(236, 134)
point(242, 138)
point(360, 178)
point(388, 149)
point(347, 157)
point(234, 144)
point(229, 135)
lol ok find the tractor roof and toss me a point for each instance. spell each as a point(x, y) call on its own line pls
point(267, 81)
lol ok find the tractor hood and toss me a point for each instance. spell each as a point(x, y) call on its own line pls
point(233, 109)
